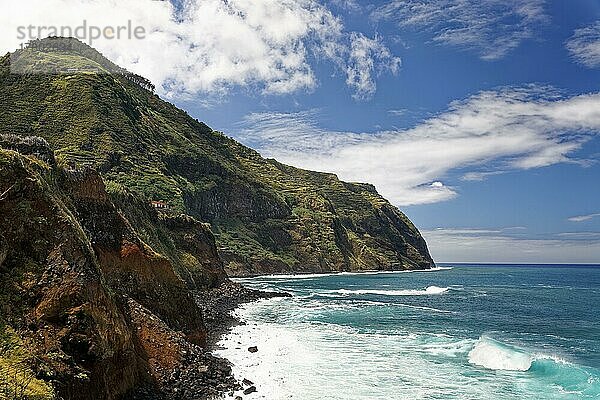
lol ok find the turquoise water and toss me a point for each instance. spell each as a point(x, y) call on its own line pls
point(466, 332)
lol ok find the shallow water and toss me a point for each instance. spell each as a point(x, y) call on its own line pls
point(469, 332)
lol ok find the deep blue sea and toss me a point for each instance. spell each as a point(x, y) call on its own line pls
point(460, 332)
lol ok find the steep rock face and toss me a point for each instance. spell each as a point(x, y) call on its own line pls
point(188, 243)
point(129, 265)
point(80, 288)
point(267, 217)
point(51, 277)
point(333, 226)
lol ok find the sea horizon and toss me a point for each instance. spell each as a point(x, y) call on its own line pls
point(517, 263)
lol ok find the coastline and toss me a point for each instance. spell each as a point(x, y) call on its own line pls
point(309, 275)
point(217, 305)
point(201, 374)
point(408, 347)
point(359, 272)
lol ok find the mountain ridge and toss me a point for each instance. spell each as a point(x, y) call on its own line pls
point(267, 217)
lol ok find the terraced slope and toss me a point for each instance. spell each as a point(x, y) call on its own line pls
point(267, 217)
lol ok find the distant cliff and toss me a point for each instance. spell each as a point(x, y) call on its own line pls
point(267, 217)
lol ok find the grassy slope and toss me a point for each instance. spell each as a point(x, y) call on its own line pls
point(267, 217)
point(17, 379)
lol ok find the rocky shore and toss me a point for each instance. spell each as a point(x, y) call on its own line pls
point(200, 375)
point(216, 305)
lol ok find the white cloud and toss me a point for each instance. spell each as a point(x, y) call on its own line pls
point(365, 55)
point(210, 46)
point(584, 45)
point(583, 218)
point(479, 246)
point(398, 113)
point(512, 128)
point(491, 27)
point(479, 176)
point(581, 235)
point(349, 5)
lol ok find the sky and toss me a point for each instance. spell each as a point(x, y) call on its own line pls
point(480, 119)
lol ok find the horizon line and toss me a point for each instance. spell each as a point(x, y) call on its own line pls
point(517, 263)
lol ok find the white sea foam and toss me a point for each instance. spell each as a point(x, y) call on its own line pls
point(321, 275)
point(433, 269)
point(447, 347)
point(431, 290)
point(308, 361)
point(492, 354)
point(386, 304)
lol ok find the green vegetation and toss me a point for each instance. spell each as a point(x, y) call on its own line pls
point(17, 379)
point(266, 216)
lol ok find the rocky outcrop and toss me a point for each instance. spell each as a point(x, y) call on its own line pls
point(54, 292)
point(31, 145)
point(102, 313)
point(187, 243)
point(240, 200)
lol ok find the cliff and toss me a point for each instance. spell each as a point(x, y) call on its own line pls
point(88, 309)
point(102, 294)
point(267, 217)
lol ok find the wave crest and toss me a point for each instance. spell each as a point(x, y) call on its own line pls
point(431, 290)
point(492, 354)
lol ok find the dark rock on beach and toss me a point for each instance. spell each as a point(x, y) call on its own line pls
point(216, 305)
point(251, 389)
point(202, 375)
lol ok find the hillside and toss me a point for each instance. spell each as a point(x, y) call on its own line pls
point(87, 308)
point(267, 217)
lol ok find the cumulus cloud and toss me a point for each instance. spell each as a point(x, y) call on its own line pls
point(365, 55)
point(583, 218)
point(584, 45)
point(480, 246)
point(507, 129)
point(490, 27)
point(209, 46)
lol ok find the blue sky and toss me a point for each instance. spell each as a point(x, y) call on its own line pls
point(479, 119)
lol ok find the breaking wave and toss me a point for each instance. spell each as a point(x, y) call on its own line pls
point(325, 274)
point(431, 290)
point(492, 354)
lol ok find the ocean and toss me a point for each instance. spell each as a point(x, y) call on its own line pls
point(457, 332)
